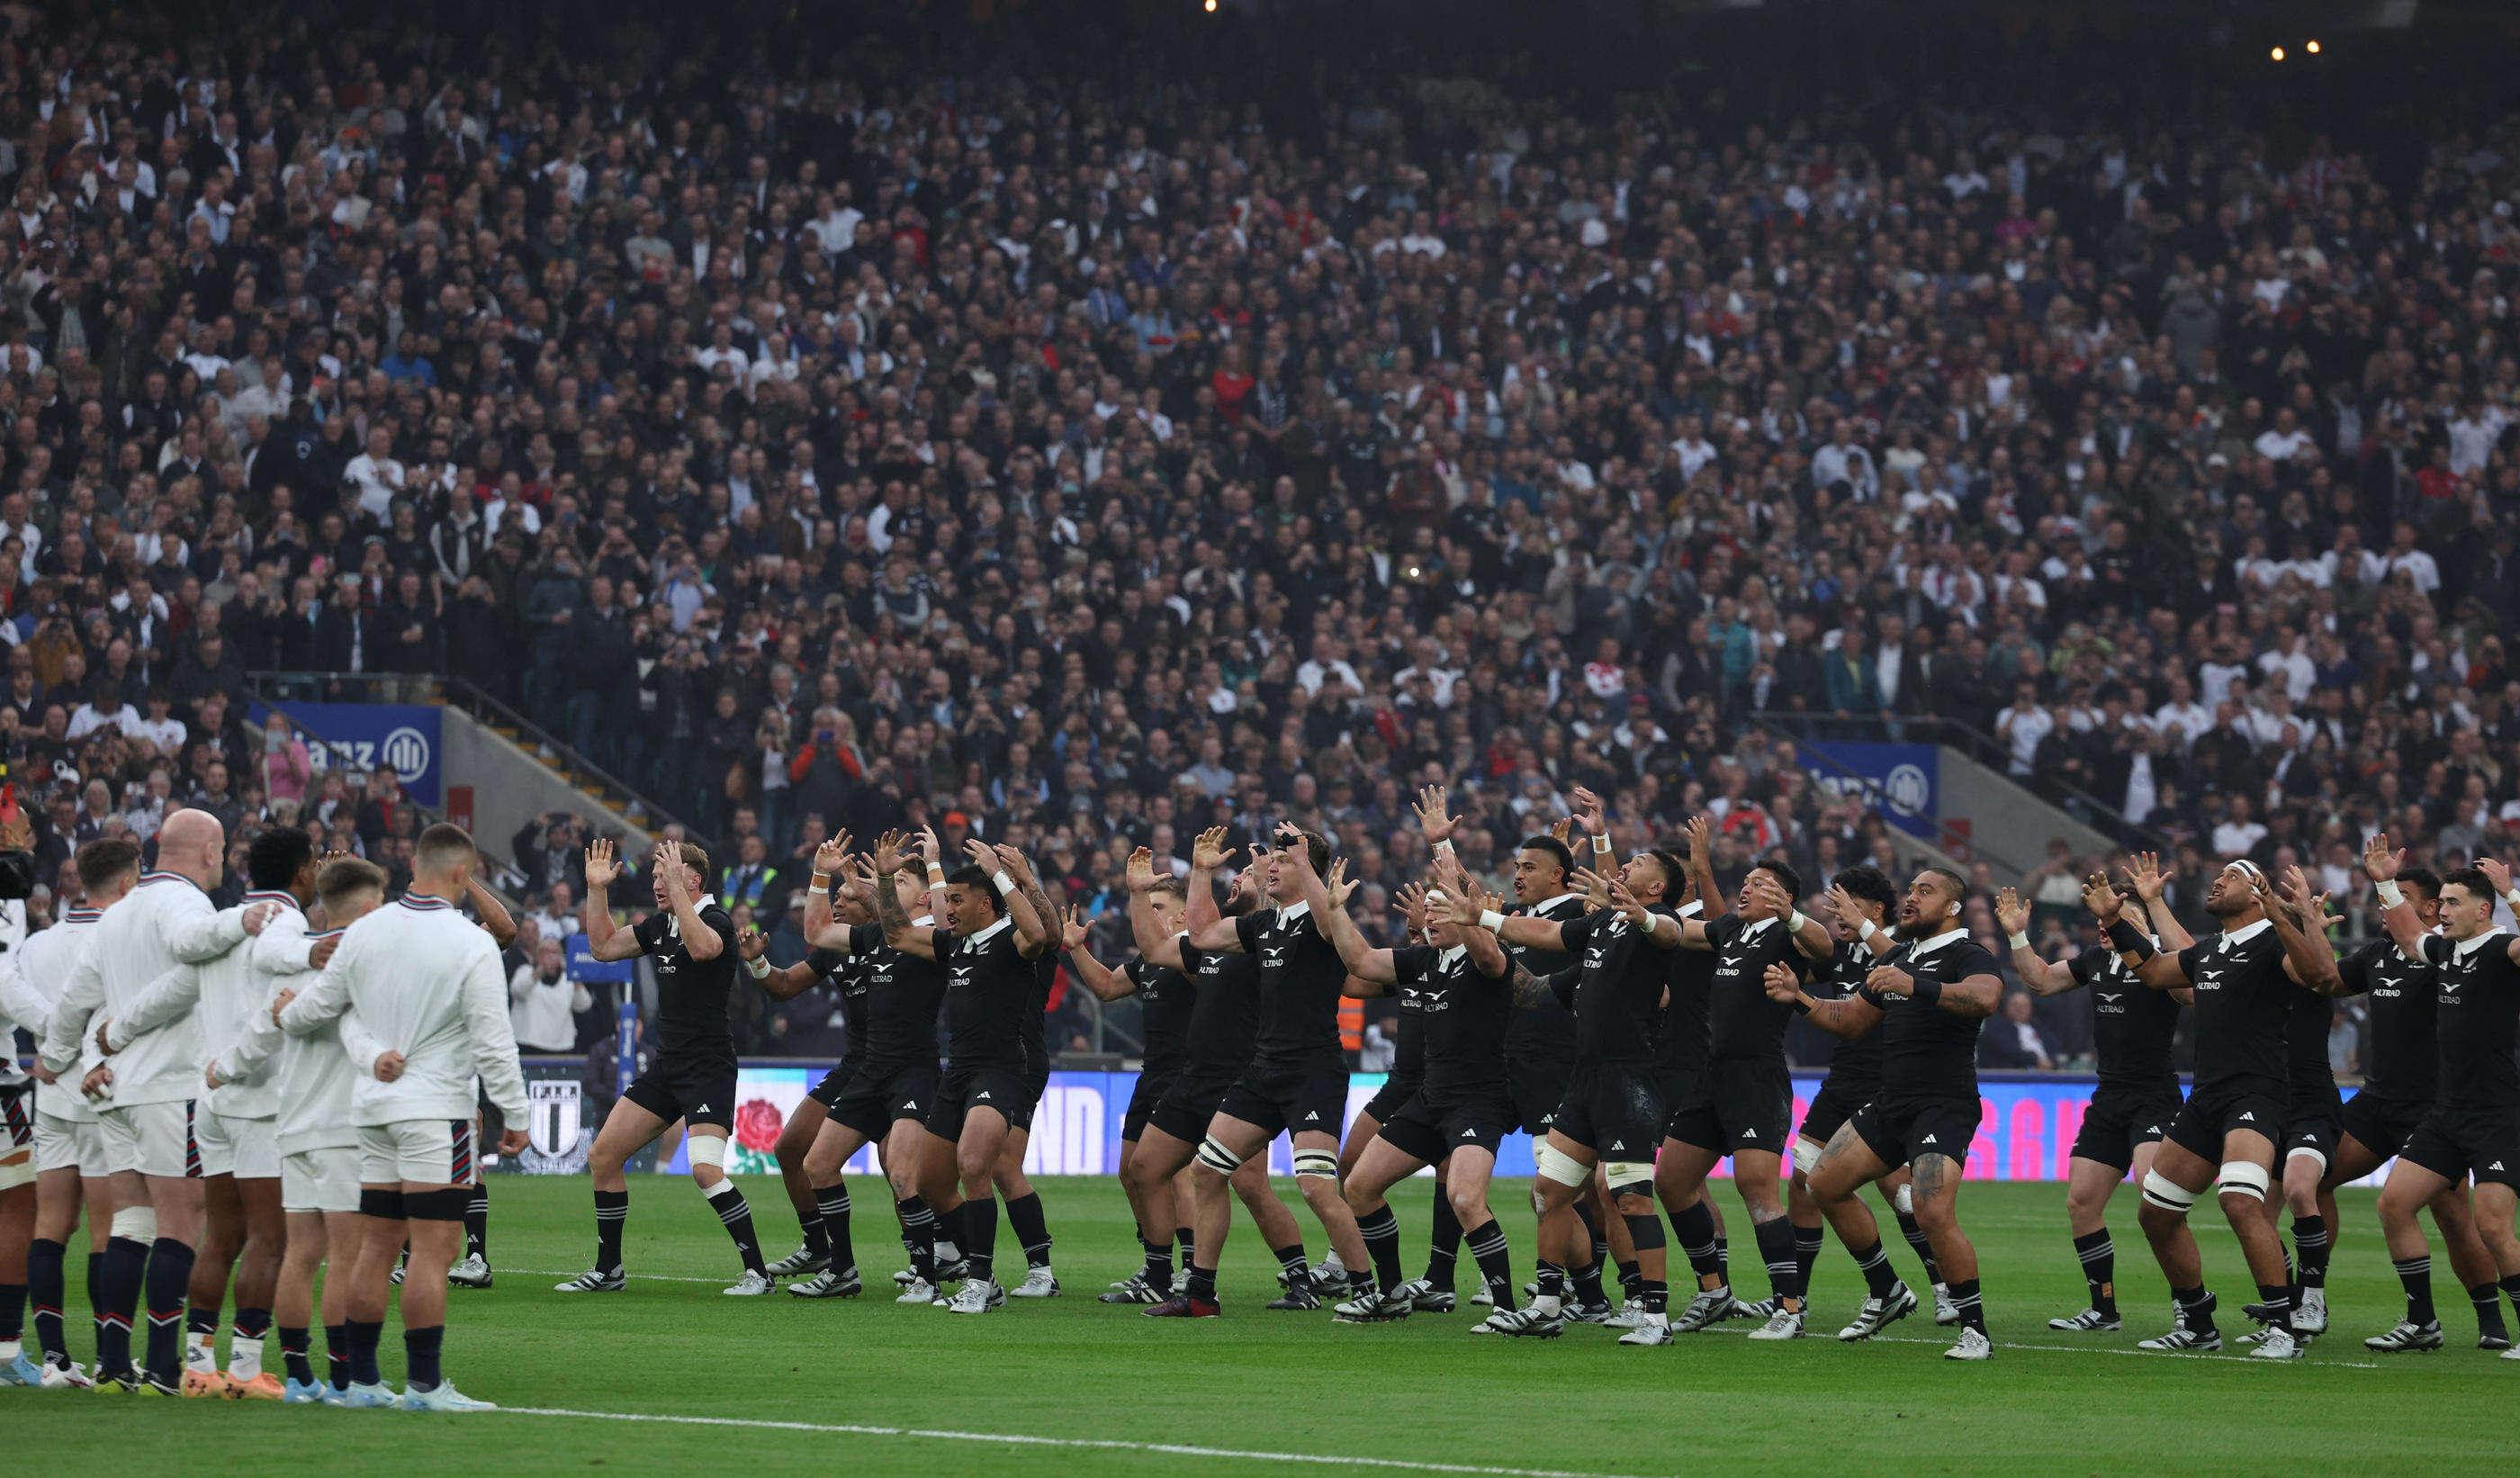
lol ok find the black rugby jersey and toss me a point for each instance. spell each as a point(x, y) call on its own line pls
point(1743, 1023)
point(691, 994)
point(1926, 1050)
point(2132, 1025)
point(2478, 1008)
point(1461, 1017)
point(2243, 998)
point(2401, 1048)
point(989, 991)
point(1853, 1066)
point(1300, 975)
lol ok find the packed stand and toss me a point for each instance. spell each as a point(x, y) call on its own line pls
point(1007, 454)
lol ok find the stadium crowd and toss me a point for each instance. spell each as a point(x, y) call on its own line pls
point(1033, 459)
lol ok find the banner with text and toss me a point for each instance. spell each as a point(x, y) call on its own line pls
point(1899, 781)
point(365, 736)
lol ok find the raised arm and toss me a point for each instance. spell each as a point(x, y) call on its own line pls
point(2499, 874)
point(2042, 978)
point(1848, 1016)
point(898, 931)
point(1155, 946)
point(1361, 961)
point(1487, 955)
point(699, 941)
point(1028, 907)
point(1520, 930)
point(2397, 914)
point(2150, 883)
point(1711, 902)
point(493, 913)
point(1209, 931)
point(2149, 964)
point(2309, 958)
point(1811, 936)
point(1544, 993)
point(595, 915)
point(1106, 983)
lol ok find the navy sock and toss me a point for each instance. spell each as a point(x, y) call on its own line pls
point(125, 1265)
point(421, 1349)
point(170, 1279)
point(46, 1286)
point(336, 1356)
point(293, 1355)
point(363, 1336)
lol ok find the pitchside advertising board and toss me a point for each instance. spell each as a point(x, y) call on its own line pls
point(2025, 1128)
point(403, 737)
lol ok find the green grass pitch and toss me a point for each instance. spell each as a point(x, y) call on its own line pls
point(865, 1386)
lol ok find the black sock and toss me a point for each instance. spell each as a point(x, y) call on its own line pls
point(1965, 1299)
point(1495, 1261)
point(336, 1356)
point(363, 1336)
point(1807, 1240)
point(829, 1233)
point(1875, 1265)
point(1291, 1258)
point(1188, 1243)
point(1916, 1238)
point(477, 1224)
point(293, 1354)
point(2100, 1257)
point(125, 1267)
point(1694, 1225)
point(2417, 1274)
point(2276, 1298)
point(170, 1279)
point(201, 1321)
point(2195, 1309)
point(611, 1210)
point(1550, 1280)
point(736, 1215)
point(810, 1225)
point(1587, 1283)
point(953, 1234)
point(1380, 1229)
point(1776, 1239)
point(1632, 1277)
point(251, 1323)
point(1031, 1228)
point(1202, 1283)
point(1722, 1254)
point(421, 1349)
point(1158, 1271)
point(46, 1287)
point(1443, 1243)
point(918, 1235)
point(1655, 1293)
point(2310, 1245)
point(2512, 1287)
point(980, 1226)
point(2489, 1310)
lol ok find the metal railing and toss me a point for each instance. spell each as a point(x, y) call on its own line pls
point(449, 690)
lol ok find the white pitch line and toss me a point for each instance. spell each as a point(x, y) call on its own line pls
point(1168, 1448)
point(1878, 1339)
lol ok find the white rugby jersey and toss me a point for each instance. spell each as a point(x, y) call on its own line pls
point(38, 972)
point(164, 923)
point(309, 1074)
point(425, 982)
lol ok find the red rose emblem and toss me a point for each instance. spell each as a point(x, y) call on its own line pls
point(757, 1124)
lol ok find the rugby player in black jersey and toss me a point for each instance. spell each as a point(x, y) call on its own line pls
point(1166, 1000)
point(1681, 1051)
point(988, 940)
point(2400, 1081)
point(693, 1075)
point(1461, 1110)
point(2138, 1095)
point(1744, 1102)
point(1927, 1001)
point(804, 1123)
point(1865, 901)
point(1222, 1026)
point(1612, 1109)
point(2225, 1135)
point(1025, 1215)
point(1297, 1078)
point(2473, 1127)
point(880, 1093)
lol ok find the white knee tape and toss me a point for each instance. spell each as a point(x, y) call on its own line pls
point(1556, 1165)
point(2168, 1194)
point(2308, 1152)
point(1213, 1154)
point(1807, 1155)
point(1624, 1176)
point(2241, 1178)
point(1320, 1164)
point(706, 1150)
point(137, 1224)
point(1906, 1200)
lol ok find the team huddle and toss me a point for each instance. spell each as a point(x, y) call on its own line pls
point(245, 1095)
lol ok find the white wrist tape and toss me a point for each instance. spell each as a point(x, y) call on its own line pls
point(1444, 848)
point(2513, 898)
point(1794, 924)
point(1491, 920)
point(2018, 940)
point(2390, 894)
point(1006, 884)
point(1601, 841)
point(759, 968)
